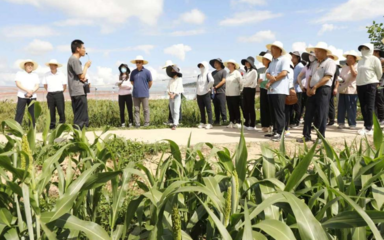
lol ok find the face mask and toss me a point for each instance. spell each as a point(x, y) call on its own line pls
point(365, 52)
point(202, 70)
point(123, 70)
point(311, 58)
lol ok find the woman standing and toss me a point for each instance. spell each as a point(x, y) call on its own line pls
point(175, 89)
point(347, 91)
point(125, 94)
point(249, 83)
point(265, 112)
point(233, 93)
point(369, 72)
point(27, 83)
point(289, 108)
point(203, 91)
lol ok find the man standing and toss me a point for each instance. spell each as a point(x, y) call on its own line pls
point(319, 92)
point(332, 111)
point(218, 90)
point(141, 80)
point(278, 86)
point(298, 67)
point(76, 82)
point(56, 84)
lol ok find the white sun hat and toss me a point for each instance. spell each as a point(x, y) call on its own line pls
point(352, 53)
point(22, 64)
point(320, 45)
point(237, 66)
point(277, 44)
point(168, 63)
point(139, 58)
point(53, 62)
point(266, 56)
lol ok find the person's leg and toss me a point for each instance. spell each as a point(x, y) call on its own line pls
point(200, 104)
point(180, 111)
point(298, 108)
point(278, 102)
point(223, 106)
point(86, 114)
point(31, 110)
point(331, 109)
point(20, 108)
point(146, 111)
point(122, 109)
point(136, 103)
point(272, 106)
point(303, 105)
point(237, 109)
point(308, 117)
point(52, 111)
point(246, 105)
point(170, 119)
point(129, 105)
point(287, 117)
point(379, 104)
point(176, 109)
point(263, 107)
point(171, 106)
point(370, 96)
point(76, 105)
point(342, 108)
point(230, 109)
point(216, 105)
point(60, 104)
point(361, 90)
point(322, 105)
point(351, 109)
point(252, 111)
point(208, 106)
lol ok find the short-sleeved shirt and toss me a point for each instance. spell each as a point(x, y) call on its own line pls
point(320, 70)
point(307, 71)
point(275, 68)
point(233, 86)
point(141, 81)
point(55, 81)
point(217, 78)
point(74, 68)
point(28, 81)
point(296, 72)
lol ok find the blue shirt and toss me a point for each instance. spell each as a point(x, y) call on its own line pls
point(141, 81)
point(275, 68)
point(296, 73)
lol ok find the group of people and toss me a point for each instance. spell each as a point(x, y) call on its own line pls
point(294, 84)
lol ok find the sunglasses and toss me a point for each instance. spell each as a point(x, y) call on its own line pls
point(139, 62)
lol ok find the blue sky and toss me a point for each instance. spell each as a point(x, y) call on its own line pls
point(184, 31)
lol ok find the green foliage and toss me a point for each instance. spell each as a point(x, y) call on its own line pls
point(376, 34)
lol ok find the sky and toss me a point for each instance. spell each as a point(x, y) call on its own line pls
point(184, 31)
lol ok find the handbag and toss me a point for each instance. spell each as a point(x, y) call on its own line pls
point(291, 99)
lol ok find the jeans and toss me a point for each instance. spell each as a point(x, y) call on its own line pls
point(204, 102)
point(145, 103)
point(249, 107)
point(219, 102)
point(367, 96)
point(233, 103)
point(347, 105)
point(175, 104)
point(80, 111)
point(20, 109)
point(126, 101)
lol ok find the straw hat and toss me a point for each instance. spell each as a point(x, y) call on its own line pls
point(320, 45)
point(22, 64)
point(237, 66)
point(352, 53)
point(266, 56)
point(139, 58)
point(53, 62)
point(168, 63)
point(277, 44)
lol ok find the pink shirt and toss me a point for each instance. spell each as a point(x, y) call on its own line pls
point(125, 88)
point(348, 86)
point(307, 72)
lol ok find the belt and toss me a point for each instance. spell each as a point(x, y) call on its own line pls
point(56, 92)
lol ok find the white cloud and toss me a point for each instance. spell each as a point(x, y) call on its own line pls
point(337, 51)
point(195, 16)
point(38, 47)
point(74, 22)
point(28, 31)
point(299, 46)
point(242, 18)
point(260, 36)
point(355, 10)
point(156, 75)
point(144, 48)
point(251, 2)
point(188, 33)
point(64, 48)
point(178, 50)
point(328, 28)
point(103, 76)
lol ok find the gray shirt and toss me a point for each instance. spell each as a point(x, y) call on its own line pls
point(75, 86)
point(326, 68)
point(218, 77)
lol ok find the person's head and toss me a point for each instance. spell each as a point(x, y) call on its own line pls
point(139, 64)
point(376, 53)
point(366, 49)
point(295, 59)
point(247, 65)
point(276, 51)
point(266, 62)
point(28, 66)
point(321, 54)
point(77, 46)
point(217, 65)
point(351, 60)
point(124, 71)
point(53, 67)
point(231, 66)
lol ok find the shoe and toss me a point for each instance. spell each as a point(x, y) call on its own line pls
point(364, 131)
point(251, 128)
point(173, 127)
point(237, 125)
point(294, 126)
point(341, 126)
point(123, 125)
point(287, 133)
point(230, 125)
point(269, 134)
point(303, 140)
point(216, 123)
point(146, 125)
point(201, 125)
point(330, 124)
point(208, 126)
point(265, 129)
point(353, 127)
point(276, 137)
point(137, 126)
point(381, 122)
point(130, 125)
point(370, 132)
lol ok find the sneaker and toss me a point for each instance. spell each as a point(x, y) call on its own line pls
point(330, 124)
point(216, 123)
point(173, 127)
point(251, 128)
point(123, 125)
point(201, 125)
point(381, 122)
point(303, 140)
point(265, 129)
point(370, 132)
point(137, 126)
point(130, 125)
point(353, 127)
point(287, 133)
point(341, 126)
point(208, 126)
point(146, 125)
point(230, 125)
point(237, 125)
point(364, 131)
point(276, 137)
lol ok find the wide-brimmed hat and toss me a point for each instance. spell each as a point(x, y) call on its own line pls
point(368, 45)
point(139, 58)
point(334, 56)
point(126, 66)
point(265, 55)
point(22, 64)
point(175, 68)
point(305, 56)
point(277, 44)
point(212, 62)
point(53, 62)
point(319, 45)
point(237, 66)
point(251, 61)
point(352, 53)
point(168, 63)
point(296, 53)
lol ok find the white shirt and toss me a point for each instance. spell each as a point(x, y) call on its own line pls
point(175, 85)
point(233, 83)
point(204, 84)
point(250, 79)
point(55, 82)
point(369, 71)
point(28, 81)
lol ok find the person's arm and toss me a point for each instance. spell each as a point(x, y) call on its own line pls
point(210, 80)
point(353, 70)
point(82, 76)
point(20, 86)
point(322, 82)
point(149, 80)
point(64, 87)
point(220, 83)
point(299, 78)
point(46, 87)
point(378, 68)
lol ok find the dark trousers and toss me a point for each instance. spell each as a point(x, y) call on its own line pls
point(126, 101)
point(288, 116)
point(20, 109)
point(379, 108)
point(296, 109)
point(347, 105)
point(80, 111)
point(331, 111)
point(56, 101)
point(278, 112)
point(204, 103)
point(233, 103)
point(317, 105)
point(219, 102)
point(303, 103)
point(170, 119)
point(249, 107)
point(265, 108)
point(367, 96)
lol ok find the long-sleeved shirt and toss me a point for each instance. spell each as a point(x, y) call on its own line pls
point(369, 70)
point(233, 83)
point(125, 88)
point(249, 80)
point(348, 86)
point(204, 83)
point(175, 85)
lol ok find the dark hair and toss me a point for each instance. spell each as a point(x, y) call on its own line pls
point(246, 69)
point(76, 44)
point(126, 73)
